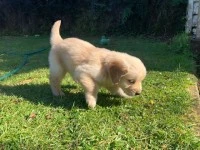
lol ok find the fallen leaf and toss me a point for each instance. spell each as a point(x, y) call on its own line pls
point(32, 115)
point(152, 102)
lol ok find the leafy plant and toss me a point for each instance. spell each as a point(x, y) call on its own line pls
point(180, 44)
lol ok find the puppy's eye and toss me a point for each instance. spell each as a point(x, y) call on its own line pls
point(131, 81)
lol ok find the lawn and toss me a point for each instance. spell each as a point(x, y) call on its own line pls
point(160, 118)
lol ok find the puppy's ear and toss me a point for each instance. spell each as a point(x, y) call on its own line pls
point(116, 70)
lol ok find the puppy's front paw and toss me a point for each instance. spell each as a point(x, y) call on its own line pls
point(127, 96)
point(60, 93)
point(91, 104)
point(121, 93)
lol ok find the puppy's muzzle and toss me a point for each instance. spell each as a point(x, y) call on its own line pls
point(133, 93)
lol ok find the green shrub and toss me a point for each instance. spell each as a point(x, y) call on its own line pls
point(180, 44)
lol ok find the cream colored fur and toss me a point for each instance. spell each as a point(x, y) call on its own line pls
point(93, 67)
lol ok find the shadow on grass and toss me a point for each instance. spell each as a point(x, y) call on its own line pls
point(41, 94)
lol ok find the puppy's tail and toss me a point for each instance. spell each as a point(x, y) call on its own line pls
point(55, 33)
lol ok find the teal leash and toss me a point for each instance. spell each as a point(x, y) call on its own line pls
point(22, 64)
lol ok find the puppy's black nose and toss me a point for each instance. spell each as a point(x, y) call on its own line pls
point(137, 93)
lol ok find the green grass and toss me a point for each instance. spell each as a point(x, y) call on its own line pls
point(31, 118)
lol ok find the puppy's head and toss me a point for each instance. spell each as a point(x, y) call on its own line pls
point(128, 74)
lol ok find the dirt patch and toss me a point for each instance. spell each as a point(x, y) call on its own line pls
point(194, 114)
point(194, 92)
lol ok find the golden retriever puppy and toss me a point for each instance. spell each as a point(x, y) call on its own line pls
point(93, 67)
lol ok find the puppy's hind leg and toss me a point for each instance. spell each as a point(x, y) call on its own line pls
point(55, 81)
point(91, 90)
point(56, 75)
